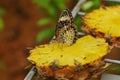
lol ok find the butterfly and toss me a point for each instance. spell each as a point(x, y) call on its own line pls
point(66, 31)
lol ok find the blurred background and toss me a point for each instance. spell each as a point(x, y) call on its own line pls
point(25, 24)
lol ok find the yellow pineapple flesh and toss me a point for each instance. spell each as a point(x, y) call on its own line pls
point(76, 62)
point(104, 22)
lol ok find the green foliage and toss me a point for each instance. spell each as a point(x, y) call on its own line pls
point(110, 3)
point(1, 24)
point(96, 3)
point(51, 6)
point(78, 23)
point(43, 21)
point(2, 65)
point(2, 12)
point(90, 5)
point(60, 4)
point(46, 33)
point(87, 5)
point(114, 68)
point(45, 4)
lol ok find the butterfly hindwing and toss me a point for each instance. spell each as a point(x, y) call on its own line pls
point(66, 31)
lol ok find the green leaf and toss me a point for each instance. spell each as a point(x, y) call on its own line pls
point(42, 3)
point(1, 24)
point(90, 5)
point(78, 22)
point(87, 5)
point(43, 21)
point(114, 68)
point(110, 3)
point(47, 33)
point(97, 3)
point(2, 65)
point(52, 11)
point(2, 11)
point(60, 3)
point(45, 4)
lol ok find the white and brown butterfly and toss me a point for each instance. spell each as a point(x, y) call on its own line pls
point(66, 31)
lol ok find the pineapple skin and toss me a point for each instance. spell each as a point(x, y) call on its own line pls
point(86, 72)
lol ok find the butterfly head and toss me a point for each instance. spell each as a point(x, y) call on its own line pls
point(66, 16)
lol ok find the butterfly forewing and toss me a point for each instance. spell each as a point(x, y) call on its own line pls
point(66, 31)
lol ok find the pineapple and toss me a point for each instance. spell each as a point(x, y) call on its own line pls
point(104, 22)
point(80, 61)
point(69, 57)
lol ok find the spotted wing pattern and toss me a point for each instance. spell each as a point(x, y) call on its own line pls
point(66, 31)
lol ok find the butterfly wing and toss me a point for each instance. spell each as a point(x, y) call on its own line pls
point(66, 31)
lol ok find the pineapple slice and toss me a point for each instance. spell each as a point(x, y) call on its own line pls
point(63, 62)
point(104, 22)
